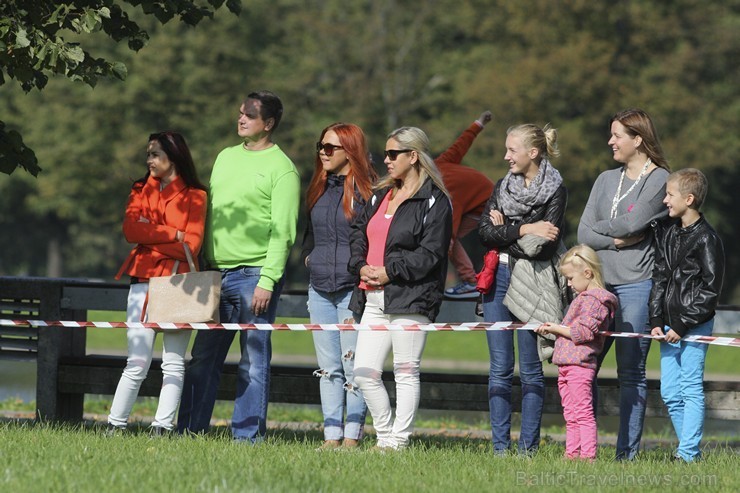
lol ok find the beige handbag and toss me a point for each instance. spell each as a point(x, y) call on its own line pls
point(192, 297)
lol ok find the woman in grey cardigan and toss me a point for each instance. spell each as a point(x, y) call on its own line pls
point(616, 223)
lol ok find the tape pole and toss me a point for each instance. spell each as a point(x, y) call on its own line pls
point(431, 327)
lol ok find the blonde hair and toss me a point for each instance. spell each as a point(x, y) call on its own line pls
point(416, 140)
point(545, 140)
point(584, 257)
point(691, 181)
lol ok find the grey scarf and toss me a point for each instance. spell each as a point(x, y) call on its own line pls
point(516, 200)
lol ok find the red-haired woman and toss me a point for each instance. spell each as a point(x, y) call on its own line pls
point(341, 183)
point(166, 208)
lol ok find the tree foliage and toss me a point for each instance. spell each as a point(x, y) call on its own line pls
point(380, 64)
point(35, 44)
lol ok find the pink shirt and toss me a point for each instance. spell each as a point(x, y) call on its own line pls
point(377, 234)
point(592, 311)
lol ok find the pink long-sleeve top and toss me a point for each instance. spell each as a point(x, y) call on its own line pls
point(590, 312)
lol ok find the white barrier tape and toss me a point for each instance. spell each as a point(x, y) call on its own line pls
point(447, 327)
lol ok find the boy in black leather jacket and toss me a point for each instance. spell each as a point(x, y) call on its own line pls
point(687, 280)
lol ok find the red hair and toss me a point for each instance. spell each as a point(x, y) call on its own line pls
point(361, 173)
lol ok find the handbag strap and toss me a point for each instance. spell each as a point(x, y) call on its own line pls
point(189, 256)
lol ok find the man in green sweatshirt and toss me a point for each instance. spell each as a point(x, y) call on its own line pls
point(251, 226)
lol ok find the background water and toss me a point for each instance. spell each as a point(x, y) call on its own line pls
point(17, 379)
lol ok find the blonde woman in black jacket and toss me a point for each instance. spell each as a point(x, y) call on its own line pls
point(398, 247)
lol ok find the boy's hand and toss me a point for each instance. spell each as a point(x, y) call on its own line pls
point(657, 332)
point(672, 336)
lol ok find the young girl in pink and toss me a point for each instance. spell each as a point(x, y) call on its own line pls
point(578, 345)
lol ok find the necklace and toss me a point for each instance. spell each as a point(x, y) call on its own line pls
point(617, 199)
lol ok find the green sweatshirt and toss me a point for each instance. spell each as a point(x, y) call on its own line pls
point(252, 211)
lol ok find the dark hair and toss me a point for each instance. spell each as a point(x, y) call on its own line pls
point(174, 145)
point(270, 107)
point(638, 122)
point(361, 172)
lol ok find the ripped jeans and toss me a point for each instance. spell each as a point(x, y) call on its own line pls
point(335, 352)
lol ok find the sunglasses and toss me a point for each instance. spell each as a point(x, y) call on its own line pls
point(327, 148)
point(392, 154)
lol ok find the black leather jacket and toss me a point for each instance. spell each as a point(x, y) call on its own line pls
point(504, 237)
point(688, 274)
point(415, 252)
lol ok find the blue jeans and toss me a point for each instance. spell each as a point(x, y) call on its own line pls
point(682, 388)
point(501, 350)
point(632, 316)
point(335, 352)
point(203, 374)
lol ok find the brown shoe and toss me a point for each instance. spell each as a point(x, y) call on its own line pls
point(350, 443)
point(329, 445)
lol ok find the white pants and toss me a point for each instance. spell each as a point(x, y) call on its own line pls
point(372, 349)
point(140, 348)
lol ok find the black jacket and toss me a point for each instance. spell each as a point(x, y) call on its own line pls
point(415, 252)
point(504, 237)
point(687, 277)
point(326, 239)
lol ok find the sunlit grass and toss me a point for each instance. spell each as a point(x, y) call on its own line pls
point(46, 457)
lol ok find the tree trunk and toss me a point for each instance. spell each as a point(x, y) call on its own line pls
point(53, 258)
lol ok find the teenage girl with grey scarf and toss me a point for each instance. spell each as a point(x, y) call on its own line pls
point(529, 200)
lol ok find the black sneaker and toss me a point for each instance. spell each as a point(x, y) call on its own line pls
point(159, 432)
point(112, 430)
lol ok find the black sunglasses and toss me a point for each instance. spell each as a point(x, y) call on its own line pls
point(392, 154)
point(328, 148)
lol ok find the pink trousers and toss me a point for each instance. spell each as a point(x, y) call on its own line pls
point(575, 386)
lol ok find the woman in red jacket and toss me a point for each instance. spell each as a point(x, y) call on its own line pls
point(166, 208)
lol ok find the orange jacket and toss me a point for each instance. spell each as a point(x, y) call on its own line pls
point(469, 188)
point(176, 208)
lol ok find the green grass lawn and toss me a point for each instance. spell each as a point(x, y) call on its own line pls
point(82, 459)
point(460, 346)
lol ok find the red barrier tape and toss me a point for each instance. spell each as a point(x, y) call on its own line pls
point(447, 327)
